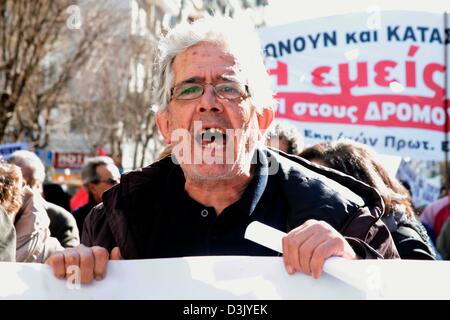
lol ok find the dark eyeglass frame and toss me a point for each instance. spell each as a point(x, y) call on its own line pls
point(243, 95)
point(108, 181)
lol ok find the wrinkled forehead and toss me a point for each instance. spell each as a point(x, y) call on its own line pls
point(208, 60)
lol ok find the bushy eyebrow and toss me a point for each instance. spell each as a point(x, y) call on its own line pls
point(224, 77)
point(192, 80)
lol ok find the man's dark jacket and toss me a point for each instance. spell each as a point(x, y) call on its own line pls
point(311, 192)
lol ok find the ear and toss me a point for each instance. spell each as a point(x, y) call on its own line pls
point(265, 119)
point(162, 121)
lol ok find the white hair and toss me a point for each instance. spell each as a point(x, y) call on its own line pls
point(236, 35)
point(89, 170)
point(28, 160)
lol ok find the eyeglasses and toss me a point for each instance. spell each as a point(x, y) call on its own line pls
point(224, 90)
point(108, 181)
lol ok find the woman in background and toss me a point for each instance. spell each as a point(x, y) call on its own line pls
point(360, 162)
point(10, 203)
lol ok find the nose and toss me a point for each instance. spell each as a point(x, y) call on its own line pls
point(208, 101)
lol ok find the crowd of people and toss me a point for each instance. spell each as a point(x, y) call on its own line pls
point(332, 199)
point(40, 221)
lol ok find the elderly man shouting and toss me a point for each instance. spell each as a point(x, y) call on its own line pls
point(214, 104)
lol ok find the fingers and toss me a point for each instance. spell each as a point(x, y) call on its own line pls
point(306, 248)
point(56, 261)
point(86, 264)
point(71, 257)
point(101, 261)
point(89, 262)
point(71, 262)
point(335, 245)
point(115, 254)
point(286, 255)
point(321, 253)
point(291, 244)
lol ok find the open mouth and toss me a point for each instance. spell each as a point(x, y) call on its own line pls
point(211, 138)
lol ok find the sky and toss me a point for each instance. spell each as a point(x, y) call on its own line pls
point(285, 11)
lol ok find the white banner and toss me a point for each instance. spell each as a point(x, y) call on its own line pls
point(234, 278)
point(375, 78)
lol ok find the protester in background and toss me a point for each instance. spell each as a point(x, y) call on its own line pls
point(10, 203)
point(358, 161)
point(7, 236)
point(185, 206)
point(98, 175)
point(34, 242)
point(62, 226)
point(443, 241)
point(435, 215)
point(285, 137)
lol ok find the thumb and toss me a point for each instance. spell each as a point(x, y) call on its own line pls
point(115, 254)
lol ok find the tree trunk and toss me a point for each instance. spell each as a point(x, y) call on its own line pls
point(136, 151)
point(144, 148)
point(7, 107)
